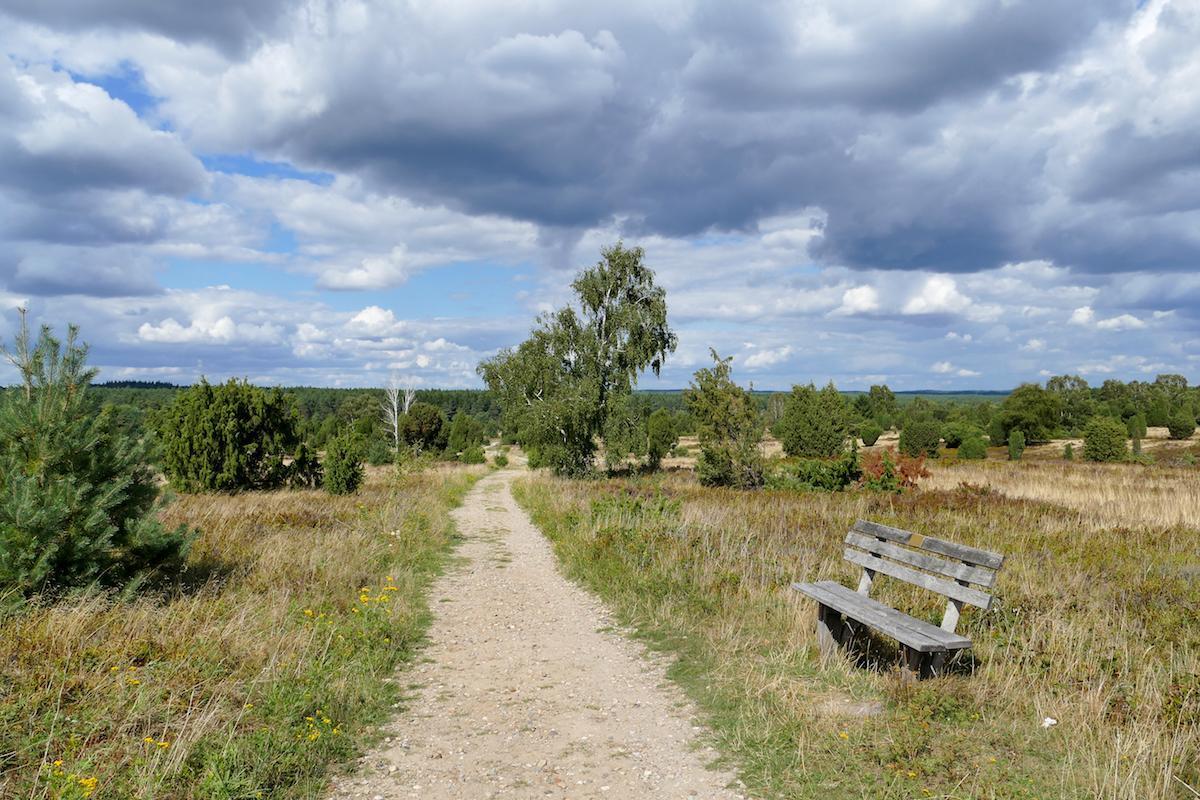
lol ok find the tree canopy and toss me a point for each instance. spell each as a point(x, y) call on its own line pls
point(559, 388)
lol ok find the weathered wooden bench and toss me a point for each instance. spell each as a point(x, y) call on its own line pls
point(952, 570)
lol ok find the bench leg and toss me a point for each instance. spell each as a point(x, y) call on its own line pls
point(831, 630)
point(937, 664)
point(914, 663)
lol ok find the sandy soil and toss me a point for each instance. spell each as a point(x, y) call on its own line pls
point(525, 693)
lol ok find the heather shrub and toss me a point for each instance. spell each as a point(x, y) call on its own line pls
point(829, 475)
point(1104, 440)
point(920, 437)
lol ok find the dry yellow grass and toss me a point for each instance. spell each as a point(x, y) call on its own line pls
point(202, 690)
point(1097, 625)
point(1103, 495)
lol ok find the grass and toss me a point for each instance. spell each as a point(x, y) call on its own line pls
point(267, 663)
point(1097, 625)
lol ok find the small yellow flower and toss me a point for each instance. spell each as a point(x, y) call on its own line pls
point(308, 612)
point(164, 745)
point(912, 774)
point(248, 706)
point(58, 763)
point(843, 735)
point(148, 739)
point(133, 681)
point(89, 785)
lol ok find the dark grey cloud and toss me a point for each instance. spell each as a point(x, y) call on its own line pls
point(229, 25)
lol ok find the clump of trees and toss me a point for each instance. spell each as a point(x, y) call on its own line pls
point(567, 386)
point(78, 495)
point(729, 428)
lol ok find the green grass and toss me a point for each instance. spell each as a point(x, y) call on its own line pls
point(267, 664)
point(1096, 629)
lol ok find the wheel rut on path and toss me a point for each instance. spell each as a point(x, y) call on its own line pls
point(525, 692)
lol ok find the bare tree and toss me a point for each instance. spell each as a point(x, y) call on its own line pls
point(394, 405)
point(409, 396)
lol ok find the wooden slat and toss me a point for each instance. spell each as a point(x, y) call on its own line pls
point(961, 552)
point(934, 584)
point(908, 630)
point(915, 558)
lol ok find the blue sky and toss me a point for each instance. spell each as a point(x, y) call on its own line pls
point(949, 195)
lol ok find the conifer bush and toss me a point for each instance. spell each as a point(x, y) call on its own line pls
point(973, 448)
point(305, 471)
point(661, 437)
point(869, 432)
point(1068, 452)
point(1016, 445)
point(343, 465)
point(465, 433)
point(473, 455)
point(920, 437)
point(423, 428)
point(813, 423)
point(227, 438)
point(78, 496)
point(1104, 440)
point(1181, 425)
point(729, 428)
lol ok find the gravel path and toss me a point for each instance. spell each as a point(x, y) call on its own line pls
point(521, 693)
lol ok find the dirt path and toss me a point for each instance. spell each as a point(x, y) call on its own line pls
point(521, 694)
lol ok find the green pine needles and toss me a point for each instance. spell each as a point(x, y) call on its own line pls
point(77, 495)
point(228, 437)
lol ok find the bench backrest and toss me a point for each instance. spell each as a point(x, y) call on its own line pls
point(952, 570)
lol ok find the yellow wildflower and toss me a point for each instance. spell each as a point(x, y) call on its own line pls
point(843, 735)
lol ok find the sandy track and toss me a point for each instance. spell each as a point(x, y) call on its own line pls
point(522, 695)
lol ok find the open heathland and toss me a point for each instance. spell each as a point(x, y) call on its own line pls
point(1084, 680)
point(269, 659)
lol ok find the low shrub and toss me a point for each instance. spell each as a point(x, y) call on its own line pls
point(869, 432)
point(1104, 440)
point(829, 475)
point(1016, 445)
point(1137, 426)
point(955, 433)
point(680, 452)
point(920, 437)
point(378, 453)
point(1068, 452)
point(305, 470)
point(1181, 425)
point(473, 455)
point(500, 460)
point(973, 448)
point(343, 466)
point(884, 472)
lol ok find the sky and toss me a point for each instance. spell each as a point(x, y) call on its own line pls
point(944, 194)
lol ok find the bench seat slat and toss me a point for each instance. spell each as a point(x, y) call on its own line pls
point(934, 584)
point(909, 631)
point(914, 558)
point(961, 552)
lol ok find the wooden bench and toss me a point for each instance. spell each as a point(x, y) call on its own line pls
point(952, 570)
